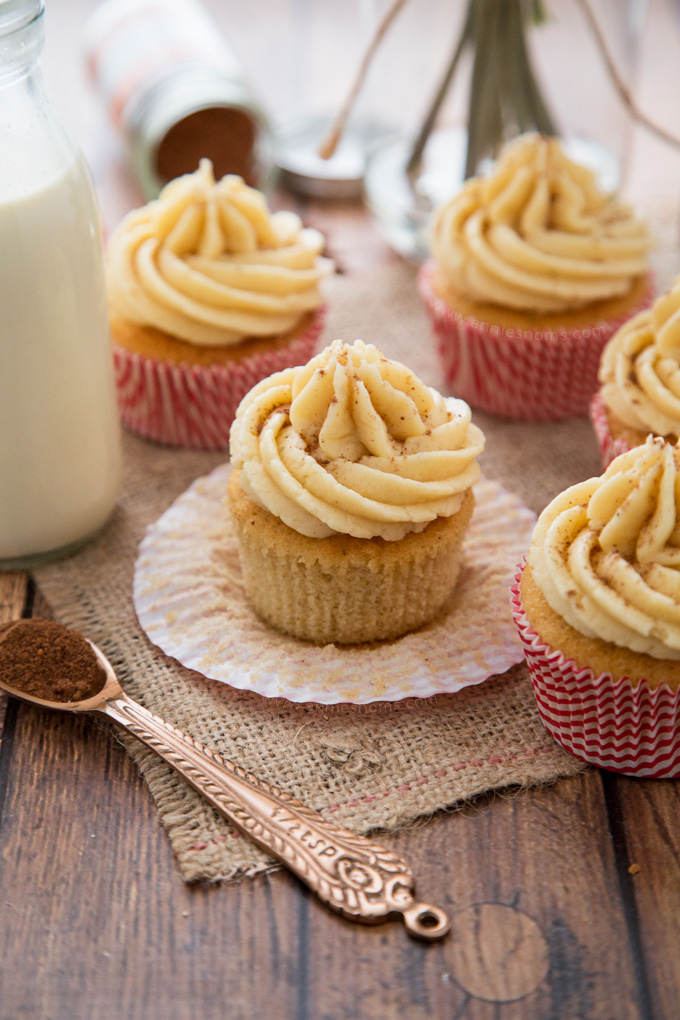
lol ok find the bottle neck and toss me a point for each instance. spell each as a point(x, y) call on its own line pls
point(21, 46)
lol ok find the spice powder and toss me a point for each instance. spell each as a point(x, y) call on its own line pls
point(45, 659)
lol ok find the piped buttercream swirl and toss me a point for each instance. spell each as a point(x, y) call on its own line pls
point(606, 552)
point(208, 263)
point(353, 443)
point(538, 235)
point(640, 368)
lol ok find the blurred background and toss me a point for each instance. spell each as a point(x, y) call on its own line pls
point(300, 57)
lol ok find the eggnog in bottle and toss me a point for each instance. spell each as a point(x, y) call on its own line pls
point(59, 433)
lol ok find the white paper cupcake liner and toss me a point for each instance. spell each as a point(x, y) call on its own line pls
point(190, 601)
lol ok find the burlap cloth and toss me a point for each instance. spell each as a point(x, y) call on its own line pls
point(379, 766)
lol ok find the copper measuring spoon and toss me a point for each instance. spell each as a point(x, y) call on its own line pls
point(353, 875)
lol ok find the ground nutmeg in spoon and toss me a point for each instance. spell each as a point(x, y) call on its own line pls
point(45, 659)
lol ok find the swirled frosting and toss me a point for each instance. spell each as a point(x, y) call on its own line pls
point(356, 444)
point(606, 553)
point(640, 368)
point(208, 263)
point(538, 235)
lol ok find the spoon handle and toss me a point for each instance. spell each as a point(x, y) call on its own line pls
point(355, 876)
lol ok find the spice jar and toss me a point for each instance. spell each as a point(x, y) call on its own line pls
point(176, 90)
point(60, 453)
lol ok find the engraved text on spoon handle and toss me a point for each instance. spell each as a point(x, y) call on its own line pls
point(355, 875)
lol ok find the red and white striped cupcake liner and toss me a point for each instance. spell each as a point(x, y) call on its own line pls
point(193, 406)
point(614, 725)
point(610, 448)
point(522, 373)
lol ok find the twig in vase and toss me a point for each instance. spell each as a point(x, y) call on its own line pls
point(329, 144)
point(440, 95)
point(504, 95)
point(618, 82)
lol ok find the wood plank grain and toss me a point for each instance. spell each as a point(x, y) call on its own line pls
point(13, 587)
point(531, 884)
point(13, 590)
point(92, 899)
point(531, 881)
point(648, 816)
point(97, 923)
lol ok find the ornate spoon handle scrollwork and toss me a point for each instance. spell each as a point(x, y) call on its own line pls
point(355, 876)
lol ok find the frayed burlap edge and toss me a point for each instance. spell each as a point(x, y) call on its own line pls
point(366, 767)
point(208, 849)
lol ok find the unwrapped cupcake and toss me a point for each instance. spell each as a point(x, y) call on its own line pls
point(533, 270)
point(598, 613)
point(640, 377)
point(209, 292)
point(351, 494)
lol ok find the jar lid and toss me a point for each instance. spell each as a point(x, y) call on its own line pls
point(304, 171)
point(16, 14)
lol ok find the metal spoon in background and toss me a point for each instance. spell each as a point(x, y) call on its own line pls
point(355, 876)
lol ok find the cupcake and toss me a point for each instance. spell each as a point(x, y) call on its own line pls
point(597, 606)
point(640, 377)
point(533, 270)
point(350, 496)
point(209, 292)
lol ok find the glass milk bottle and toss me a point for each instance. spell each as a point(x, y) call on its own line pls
point(60, 455)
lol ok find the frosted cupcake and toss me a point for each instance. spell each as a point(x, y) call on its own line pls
point(598, 612)
point(640, 377)
point(533, 270)
point(209, 292)
point(351, 494)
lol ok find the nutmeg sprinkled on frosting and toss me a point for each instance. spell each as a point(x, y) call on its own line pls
point(538, 235)
point(208, 263)
point(356, 444)
point(606, 552)
point(640, 368)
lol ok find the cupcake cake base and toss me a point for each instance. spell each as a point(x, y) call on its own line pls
point(183, 395)
point(536, 369)
point(343, 589)
point(625, 723)
point(189, 597)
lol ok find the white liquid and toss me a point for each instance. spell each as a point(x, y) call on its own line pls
point(59, 434)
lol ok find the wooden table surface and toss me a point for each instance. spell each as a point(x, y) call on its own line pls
point(565, 901)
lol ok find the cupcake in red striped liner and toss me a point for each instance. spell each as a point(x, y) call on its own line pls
point(533, 270)
point(640, 377)
point(209, 292)
point(597, 606)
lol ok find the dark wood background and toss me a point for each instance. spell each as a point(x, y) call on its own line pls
point(565, 901)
